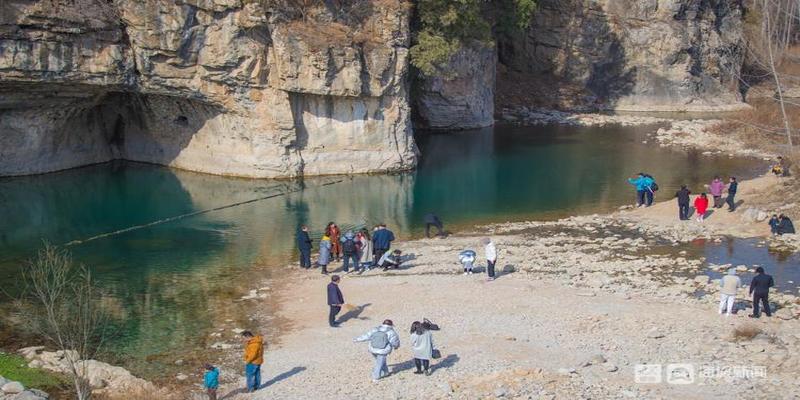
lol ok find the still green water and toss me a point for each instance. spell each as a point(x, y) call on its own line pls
point(171, 284)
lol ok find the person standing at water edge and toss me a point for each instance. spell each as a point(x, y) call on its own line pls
point(421, 347)
point(211, 381)
point(491, 257)
point(701, 206)
point(382, 340)
point(683, 202)
point(650, 188)
point(349, 251)
point(716, 187)
point(304, 245)
point(732, 188)
point(335, 300)
point(364, 249)
point(253, 358)
point(640, 183)
point(432, 219)
point(333, 232)
point(381, 241)
point(729, 284)
point(759, 289)
point(324, 254)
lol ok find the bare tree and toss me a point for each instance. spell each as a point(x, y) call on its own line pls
point(771, 12)
point(61, 305)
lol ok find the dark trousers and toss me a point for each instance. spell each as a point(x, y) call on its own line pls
point(305, 258)
point(347, 258)
point(438, 226)
point(490, 268)
point(649, 194)
point(731, 201)
point(763, 297)
point(378, 254)
point(422, 364)
point(332, 315)
point(717, 201)
point(683, 211)
point(640, 197)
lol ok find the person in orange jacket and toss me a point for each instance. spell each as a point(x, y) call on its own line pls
point(253, 358)
point(701, 206)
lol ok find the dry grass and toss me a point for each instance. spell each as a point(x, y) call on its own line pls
point(745, 332)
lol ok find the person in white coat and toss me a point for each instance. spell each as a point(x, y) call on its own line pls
point(382, 340)
point(729, 285)
point(491, 257)
point(421, 347)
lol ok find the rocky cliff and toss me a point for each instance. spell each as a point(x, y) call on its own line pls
point(642, 55)
point(232, 87)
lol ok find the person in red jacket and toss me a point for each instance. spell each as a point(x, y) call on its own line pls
point(701, 206)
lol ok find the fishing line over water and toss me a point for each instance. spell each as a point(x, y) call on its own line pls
point(192, 214)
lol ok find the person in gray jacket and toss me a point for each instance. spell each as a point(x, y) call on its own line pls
point(729, 285)
point(421, 347)
point(382, 340)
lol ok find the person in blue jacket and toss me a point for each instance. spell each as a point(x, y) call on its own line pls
point(381, 241)
point(304, 245)
point(211, 381)
point(644, 190)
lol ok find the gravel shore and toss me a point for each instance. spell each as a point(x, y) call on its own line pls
point(578, 305)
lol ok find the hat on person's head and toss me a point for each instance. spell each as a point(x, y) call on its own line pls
point(388, 322)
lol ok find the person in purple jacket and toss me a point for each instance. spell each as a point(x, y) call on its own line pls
point(715, 188)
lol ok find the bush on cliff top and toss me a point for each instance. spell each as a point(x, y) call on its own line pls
point(443, 27)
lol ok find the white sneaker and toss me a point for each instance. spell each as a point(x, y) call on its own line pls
point(470, 272)
point(465, 272)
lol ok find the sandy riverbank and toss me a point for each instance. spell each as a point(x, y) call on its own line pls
point(580, 303)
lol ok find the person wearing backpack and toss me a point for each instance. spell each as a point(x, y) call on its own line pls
point(349, 251)
point(382, 341)
point(651, 187)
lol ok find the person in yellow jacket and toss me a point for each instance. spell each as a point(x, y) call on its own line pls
point(253, 358)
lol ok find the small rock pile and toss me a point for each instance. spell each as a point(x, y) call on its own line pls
point(12, 390)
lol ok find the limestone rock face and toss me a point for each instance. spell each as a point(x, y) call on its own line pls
point(461, 96)
point(218, 86)
point(662, 55)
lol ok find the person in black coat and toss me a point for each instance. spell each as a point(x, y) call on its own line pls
point(304, 245)
point(759, 289)
point(683, 202)
point(731, 199)
point(432, 219)
point(335, 300)
point(784, 226)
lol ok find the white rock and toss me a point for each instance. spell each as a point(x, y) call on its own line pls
point(12, 388)
point(181, 377)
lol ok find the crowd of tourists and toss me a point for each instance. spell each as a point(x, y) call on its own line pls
point(701, 202)
point(362, 250)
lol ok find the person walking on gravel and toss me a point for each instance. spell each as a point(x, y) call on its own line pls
point(382, 341)
point(759, 289)
point(335, 301)
point(729, 285)
point(253, 358)
point(491, 257)
point(421, 347)
point(683, 202)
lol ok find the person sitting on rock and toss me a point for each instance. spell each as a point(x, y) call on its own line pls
point(780, 168)
point(785, 225)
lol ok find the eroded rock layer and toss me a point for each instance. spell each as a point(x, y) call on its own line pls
point(230, 87)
